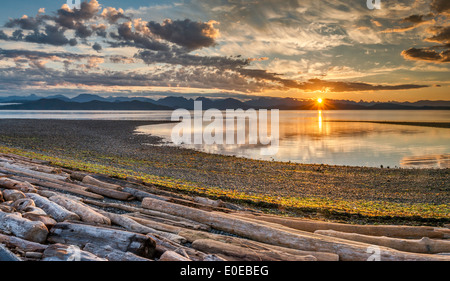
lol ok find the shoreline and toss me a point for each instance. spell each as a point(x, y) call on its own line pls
point(320, 191)
point(445, 125)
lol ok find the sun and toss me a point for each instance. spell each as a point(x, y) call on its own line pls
point(319, 100)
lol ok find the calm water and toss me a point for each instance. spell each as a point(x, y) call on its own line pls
point(308, 137)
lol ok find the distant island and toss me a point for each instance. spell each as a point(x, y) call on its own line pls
point(96, 102)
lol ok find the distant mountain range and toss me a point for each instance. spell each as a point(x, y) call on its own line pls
point(95, 102)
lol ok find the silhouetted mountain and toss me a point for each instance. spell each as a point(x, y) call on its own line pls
point(176, 102)
point(95, 102)
point(56, 104)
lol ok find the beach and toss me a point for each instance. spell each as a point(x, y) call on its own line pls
point(320, 191)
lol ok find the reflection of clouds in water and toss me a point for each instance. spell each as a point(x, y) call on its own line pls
point(429, 161)
point(306, 137)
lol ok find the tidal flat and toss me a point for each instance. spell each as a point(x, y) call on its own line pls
point(355, 194)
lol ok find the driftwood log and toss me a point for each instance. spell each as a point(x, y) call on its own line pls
point(373, 230)
point(347, 250)
point(24, 245)
point(7, 255)
point(192, 236)
point(131, 225)
point(23, 228)
point(234, 252)
point(13, 194)
point(54, 210)
point(162, 217)
point(424, 245)
point(172, 256)
point(69, 187)
point(60, 252)
point(92, 181)
point(80, 235)
point(13, 184)
point(112, 254)
point(111, 193)
point(86, 213)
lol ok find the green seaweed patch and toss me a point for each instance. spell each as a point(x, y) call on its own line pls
point(318, 204)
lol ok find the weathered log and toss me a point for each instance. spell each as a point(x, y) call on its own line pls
point(347, 250)
point(172, 256)
point(111, 193)
point(56, 211)
point(34, 255)
point(5, 207)
point(80, 235)
point(59, 252)
point(191, 203)
point(166, 217)
point(22, 204)
point(112, 254)
point(155, 225)
point(181, 223)
point(373, 230)
point(65, 186)
point(139, 194)
point(7, 255)
point(21, 170)
point(79, 176)
point(13, 194)
point(424, 245)
point(92, 181)
point(85, 213)
point(245, 254)
point(46, 220)
point(132, 225)
point(207, 201)
point(38, 167)
point(13, 184)
point(23, 158)
point(33, 210)
point(24, 245)
point(23, 228)
point(192, 236)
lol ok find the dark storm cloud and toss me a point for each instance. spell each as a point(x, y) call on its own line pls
point(52, 35)
point(27, 23)
point(178, 57)
point(441, 34)
point(97, 47)
point(127, 37)
point(430, 55)
point(189, 34)
point(440, 6)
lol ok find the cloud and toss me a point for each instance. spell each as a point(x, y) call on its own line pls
point(186, 33)
point(52, 35)
point(97, 47)
point(441, 34)
point(441, 6)
point(125, 36)
point(414, 21)
point(112, 15)
point(429, 55)
point(328, 86)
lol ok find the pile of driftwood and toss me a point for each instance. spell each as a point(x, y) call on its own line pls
point(52, 214)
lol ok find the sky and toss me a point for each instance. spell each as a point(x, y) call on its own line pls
point(336, 49)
